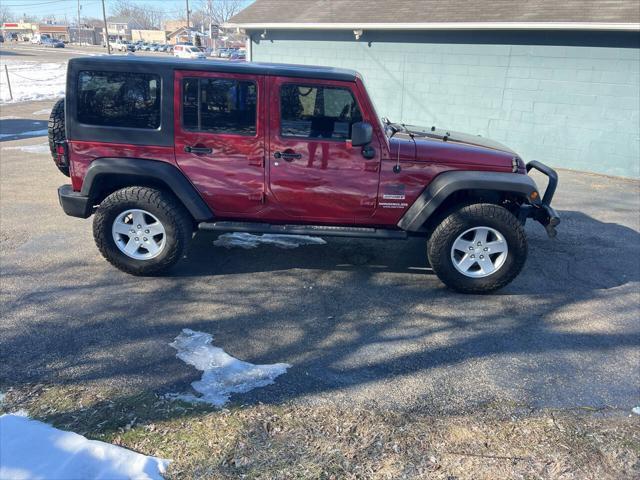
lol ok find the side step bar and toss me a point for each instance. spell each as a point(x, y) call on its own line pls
point(317, 230)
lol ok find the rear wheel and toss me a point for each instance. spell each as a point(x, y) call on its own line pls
point(478, 248)
point(56, 132)
point(141, 230)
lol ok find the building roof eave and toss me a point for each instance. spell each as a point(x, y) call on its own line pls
point(440, 26)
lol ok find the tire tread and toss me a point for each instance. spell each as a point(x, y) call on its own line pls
point(457, 219)
point(159, 201)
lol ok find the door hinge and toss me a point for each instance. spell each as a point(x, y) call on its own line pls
point(256, 161)
point(257, 197)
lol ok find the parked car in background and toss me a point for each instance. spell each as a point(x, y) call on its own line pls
point(238, 55)
point(37, 38)
point(188, 51)
point(53, 43)
point(225, 52)
point(122, 46)
point(1, 38)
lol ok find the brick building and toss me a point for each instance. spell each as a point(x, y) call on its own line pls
point(556, 81)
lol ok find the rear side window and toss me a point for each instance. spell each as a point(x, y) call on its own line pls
point(219, 105)
point(119, 99)
point(317, 112)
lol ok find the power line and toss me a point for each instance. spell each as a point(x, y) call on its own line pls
point(34, 4)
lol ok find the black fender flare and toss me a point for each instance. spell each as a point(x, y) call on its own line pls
point(139, 169)
point(450, 182)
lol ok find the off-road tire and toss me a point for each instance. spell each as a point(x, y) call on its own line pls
point(56, 132)
point(462, 219)
point(174, 217)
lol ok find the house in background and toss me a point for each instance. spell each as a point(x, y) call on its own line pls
point(173, 25)
point(556, 81)
point(119, 28)
point(151, 36)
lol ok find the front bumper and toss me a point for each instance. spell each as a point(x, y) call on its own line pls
point(74, 203)
point(541, 209)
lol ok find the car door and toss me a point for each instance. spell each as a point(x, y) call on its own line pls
point(314, 172)
point(219, 138)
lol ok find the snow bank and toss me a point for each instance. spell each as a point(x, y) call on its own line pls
point(32, 80)
point(44, 111)
point(35, 450)
point(247, 240)
point(222, 373)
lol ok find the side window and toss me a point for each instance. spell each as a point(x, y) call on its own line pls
point(317, 112)
point(119, 99)
point(219, 105)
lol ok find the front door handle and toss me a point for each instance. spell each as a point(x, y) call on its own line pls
point(197, 150)
point(287, 156)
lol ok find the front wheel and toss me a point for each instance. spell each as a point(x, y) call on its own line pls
point(478, 248)
point(141, 230)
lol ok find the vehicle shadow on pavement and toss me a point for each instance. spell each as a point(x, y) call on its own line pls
point(584, 256)
point(354, 332)
point(21, 128)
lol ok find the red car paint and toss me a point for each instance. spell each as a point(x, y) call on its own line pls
point(332, 183)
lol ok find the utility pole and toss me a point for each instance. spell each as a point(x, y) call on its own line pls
point(79, 42)
point(106, 31)
point(188, 25)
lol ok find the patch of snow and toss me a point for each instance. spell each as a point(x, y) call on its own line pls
point(248, 241)
point(40, 148)
point(44, 111)
point(2, 395)
point(34, 450)
point(32, 80)
point(636, 410)
point(9, 117)
point(27, 133)
point(222, 374)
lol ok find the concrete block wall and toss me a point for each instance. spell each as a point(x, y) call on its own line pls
point(570, 100)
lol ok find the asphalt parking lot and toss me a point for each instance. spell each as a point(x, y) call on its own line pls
point(358, 320)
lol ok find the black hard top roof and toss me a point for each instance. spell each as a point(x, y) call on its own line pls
point(251, 68)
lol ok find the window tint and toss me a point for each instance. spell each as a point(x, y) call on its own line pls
point(119, 99)
point(219, 105)
point(317, 112)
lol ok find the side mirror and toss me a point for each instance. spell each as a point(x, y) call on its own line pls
point(361, 134)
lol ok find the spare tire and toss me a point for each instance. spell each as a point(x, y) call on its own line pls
point(56, 133)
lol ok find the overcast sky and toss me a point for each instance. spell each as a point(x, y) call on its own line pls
point(90, 8)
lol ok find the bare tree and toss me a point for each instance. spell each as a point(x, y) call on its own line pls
point(144, 18)
point(6, 15)
point(219, 11)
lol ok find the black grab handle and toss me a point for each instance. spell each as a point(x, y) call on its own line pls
point(197, 150)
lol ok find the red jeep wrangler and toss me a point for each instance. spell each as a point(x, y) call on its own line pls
point(158, 148)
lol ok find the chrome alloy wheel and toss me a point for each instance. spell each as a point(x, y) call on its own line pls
point(479, 252)
point(139, 234)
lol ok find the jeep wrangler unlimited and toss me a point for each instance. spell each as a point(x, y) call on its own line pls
point(158, 148)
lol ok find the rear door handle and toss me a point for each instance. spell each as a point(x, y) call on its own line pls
point(287, 156)
point(197, 150)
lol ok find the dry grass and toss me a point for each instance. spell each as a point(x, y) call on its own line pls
point(331, 442)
